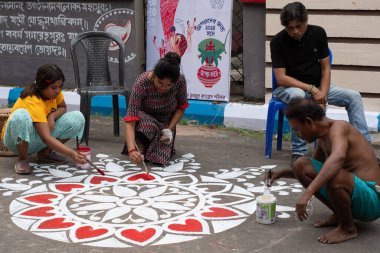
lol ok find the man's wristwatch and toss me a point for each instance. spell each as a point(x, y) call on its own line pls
point(310, 89)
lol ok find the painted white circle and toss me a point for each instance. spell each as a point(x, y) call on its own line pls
point(146, 204)
point(121, 209)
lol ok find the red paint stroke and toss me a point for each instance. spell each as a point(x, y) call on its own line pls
point(55, 224)
point(68, 187)
point(139, 236)
point(39, 212)
point(99, 180)
point(42, 198)
point(89, 232)
point(143, 176)
point(190, 225)
point(219, 212)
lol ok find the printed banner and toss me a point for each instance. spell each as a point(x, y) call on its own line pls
point(200, 32)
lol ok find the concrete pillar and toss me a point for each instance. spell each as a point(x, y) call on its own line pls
point(140, 38)
point(254, 51)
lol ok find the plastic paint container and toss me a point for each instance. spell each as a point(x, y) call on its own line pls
point(86, 151)
point(266, 209)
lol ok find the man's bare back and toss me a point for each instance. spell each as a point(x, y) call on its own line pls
point(360, 158)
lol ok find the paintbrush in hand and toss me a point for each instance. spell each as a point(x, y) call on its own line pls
point(87, 160)
point(146, 169)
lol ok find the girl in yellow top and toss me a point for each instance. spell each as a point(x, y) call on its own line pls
point(40, 124)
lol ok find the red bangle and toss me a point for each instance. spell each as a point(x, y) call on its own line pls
point(130, 151)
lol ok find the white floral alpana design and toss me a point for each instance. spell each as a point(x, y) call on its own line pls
point(123, 209)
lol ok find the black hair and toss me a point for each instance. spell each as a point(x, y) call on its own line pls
point(293, 11)
point(46, 75)
point(168, 67)
point(301, 108)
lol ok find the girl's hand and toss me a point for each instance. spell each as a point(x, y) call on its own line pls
point(136, 157)
point(78, 157)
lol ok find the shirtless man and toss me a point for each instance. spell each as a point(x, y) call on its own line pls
point(343, 173)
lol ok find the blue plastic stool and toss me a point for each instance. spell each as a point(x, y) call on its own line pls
point(275, 105)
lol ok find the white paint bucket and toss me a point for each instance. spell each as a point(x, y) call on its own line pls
point(266, 209)
point(86, 151)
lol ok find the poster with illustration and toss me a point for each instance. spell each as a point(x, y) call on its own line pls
point(200, 32)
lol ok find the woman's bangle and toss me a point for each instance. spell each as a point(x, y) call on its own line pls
point(130, 151)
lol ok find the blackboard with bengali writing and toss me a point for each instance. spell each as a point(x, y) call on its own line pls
point(33, 33)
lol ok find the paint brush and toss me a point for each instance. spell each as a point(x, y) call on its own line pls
point(146, 169)
point(87, 160)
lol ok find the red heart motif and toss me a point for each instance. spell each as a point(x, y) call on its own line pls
point(99, 179)
point(89, 232)
point(42, 198)
point(67, 187)
point(143, 176)
point(55, 223)
point(218, 212)
point(39, 212)
point(190, 225)
point(139, 236)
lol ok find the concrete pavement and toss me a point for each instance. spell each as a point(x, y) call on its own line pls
point(203, 202)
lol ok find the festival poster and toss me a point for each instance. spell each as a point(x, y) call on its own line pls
point(200, 32)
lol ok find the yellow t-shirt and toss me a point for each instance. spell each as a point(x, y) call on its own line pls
point(37, 108)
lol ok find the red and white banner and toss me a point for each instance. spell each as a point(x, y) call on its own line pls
point(200, 32)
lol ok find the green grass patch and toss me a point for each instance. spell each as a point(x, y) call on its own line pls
point(258, 135)
point(287, 136)
point(184, 122)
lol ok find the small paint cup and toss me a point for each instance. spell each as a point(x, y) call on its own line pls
point(266, 209)
point(86, 151)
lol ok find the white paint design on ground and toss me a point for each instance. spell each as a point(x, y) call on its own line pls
point(122, 209)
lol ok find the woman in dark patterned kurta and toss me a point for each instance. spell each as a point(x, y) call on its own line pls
point(157, 103)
